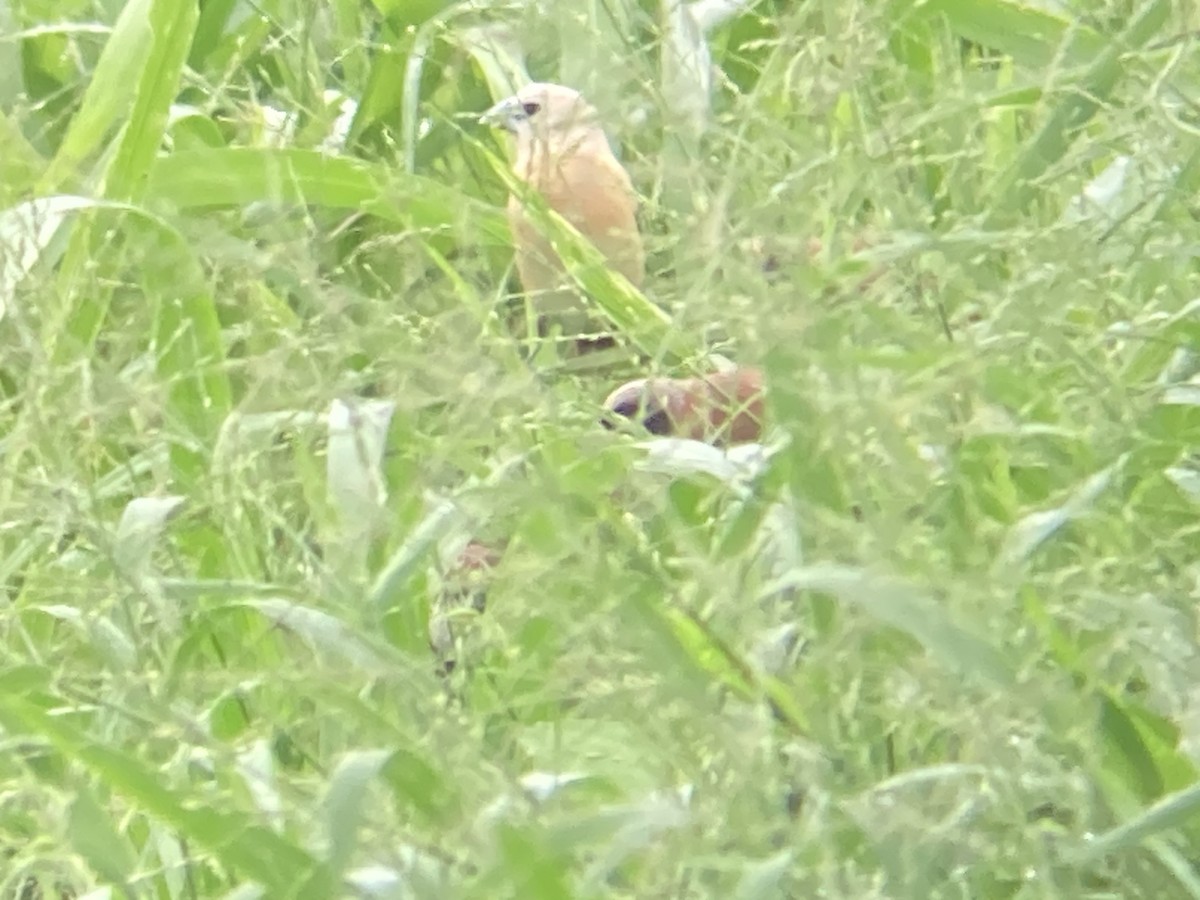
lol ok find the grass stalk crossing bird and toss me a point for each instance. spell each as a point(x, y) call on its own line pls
point(562, 152)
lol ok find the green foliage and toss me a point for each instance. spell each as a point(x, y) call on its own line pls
point(261, 378)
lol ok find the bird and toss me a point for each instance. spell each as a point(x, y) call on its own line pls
point(464, 586)
point(562, 152)
point(722, 408)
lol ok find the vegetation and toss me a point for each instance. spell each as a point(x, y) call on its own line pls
point(260, 381)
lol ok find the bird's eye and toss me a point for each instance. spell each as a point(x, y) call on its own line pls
point(531, 108)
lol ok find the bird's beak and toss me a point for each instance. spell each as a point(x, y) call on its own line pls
point(505, 114)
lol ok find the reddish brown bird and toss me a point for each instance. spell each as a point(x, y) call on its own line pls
point(722, 408)
point(563, 153)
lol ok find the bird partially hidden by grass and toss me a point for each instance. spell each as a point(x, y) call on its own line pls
point(722, 408)
point(563, 153)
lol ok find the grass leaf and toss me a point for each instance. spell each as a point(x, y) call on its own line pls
point(1171, 812)
point(1079, 101)
point(110, 93)
point(202, 179)
point(900, 606)
point(171, 25)
point(275, 862)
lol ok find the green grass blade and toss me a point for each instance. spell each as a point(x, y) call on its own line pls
point(645, 323)
point(232, 177)
point(904, 608)
point(1172, 812)
point(252, 850)
point(20, 163)
point(110, 93)
point(1081, 99)
point(1033, 36)
point(172, 25)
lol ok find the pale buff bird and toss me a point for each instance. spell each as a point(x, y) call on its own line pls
point(722, 408)
point(563, 153)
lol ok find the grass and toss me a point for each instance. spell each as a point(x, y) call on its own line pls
point(258, 385)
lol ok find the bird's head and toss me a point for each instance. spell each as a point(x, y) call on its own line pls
point(647, 401)
point(544, 110)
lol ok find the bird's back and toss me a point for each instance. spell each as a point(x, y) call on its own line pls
point(588, 187)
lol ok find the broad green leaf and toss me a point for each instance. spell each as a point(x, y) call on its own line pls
point(24, 679)
point(110, 93)
point(493, 47)
point(1034, 37)
point(239, 176)
point(112, 644)
point(522, 861)
point(1142, 749)
point(1171, 812)
point(323, 632)
point(1032, 531)
point(345, 801)
point(906, 609)
point(420, 785)
point(711, 654)
point(405, 13)
point(189, 128)
point(142, 524)
point(95, 837)
point(171, 27)
point(444, 517)
point(228, 34)
point(210, 28)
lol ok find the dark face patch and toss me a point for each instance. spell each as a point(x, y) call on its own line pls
point(656, 421)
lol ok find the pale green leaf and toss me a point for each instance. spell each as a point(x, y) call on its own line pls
point(907, 609)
